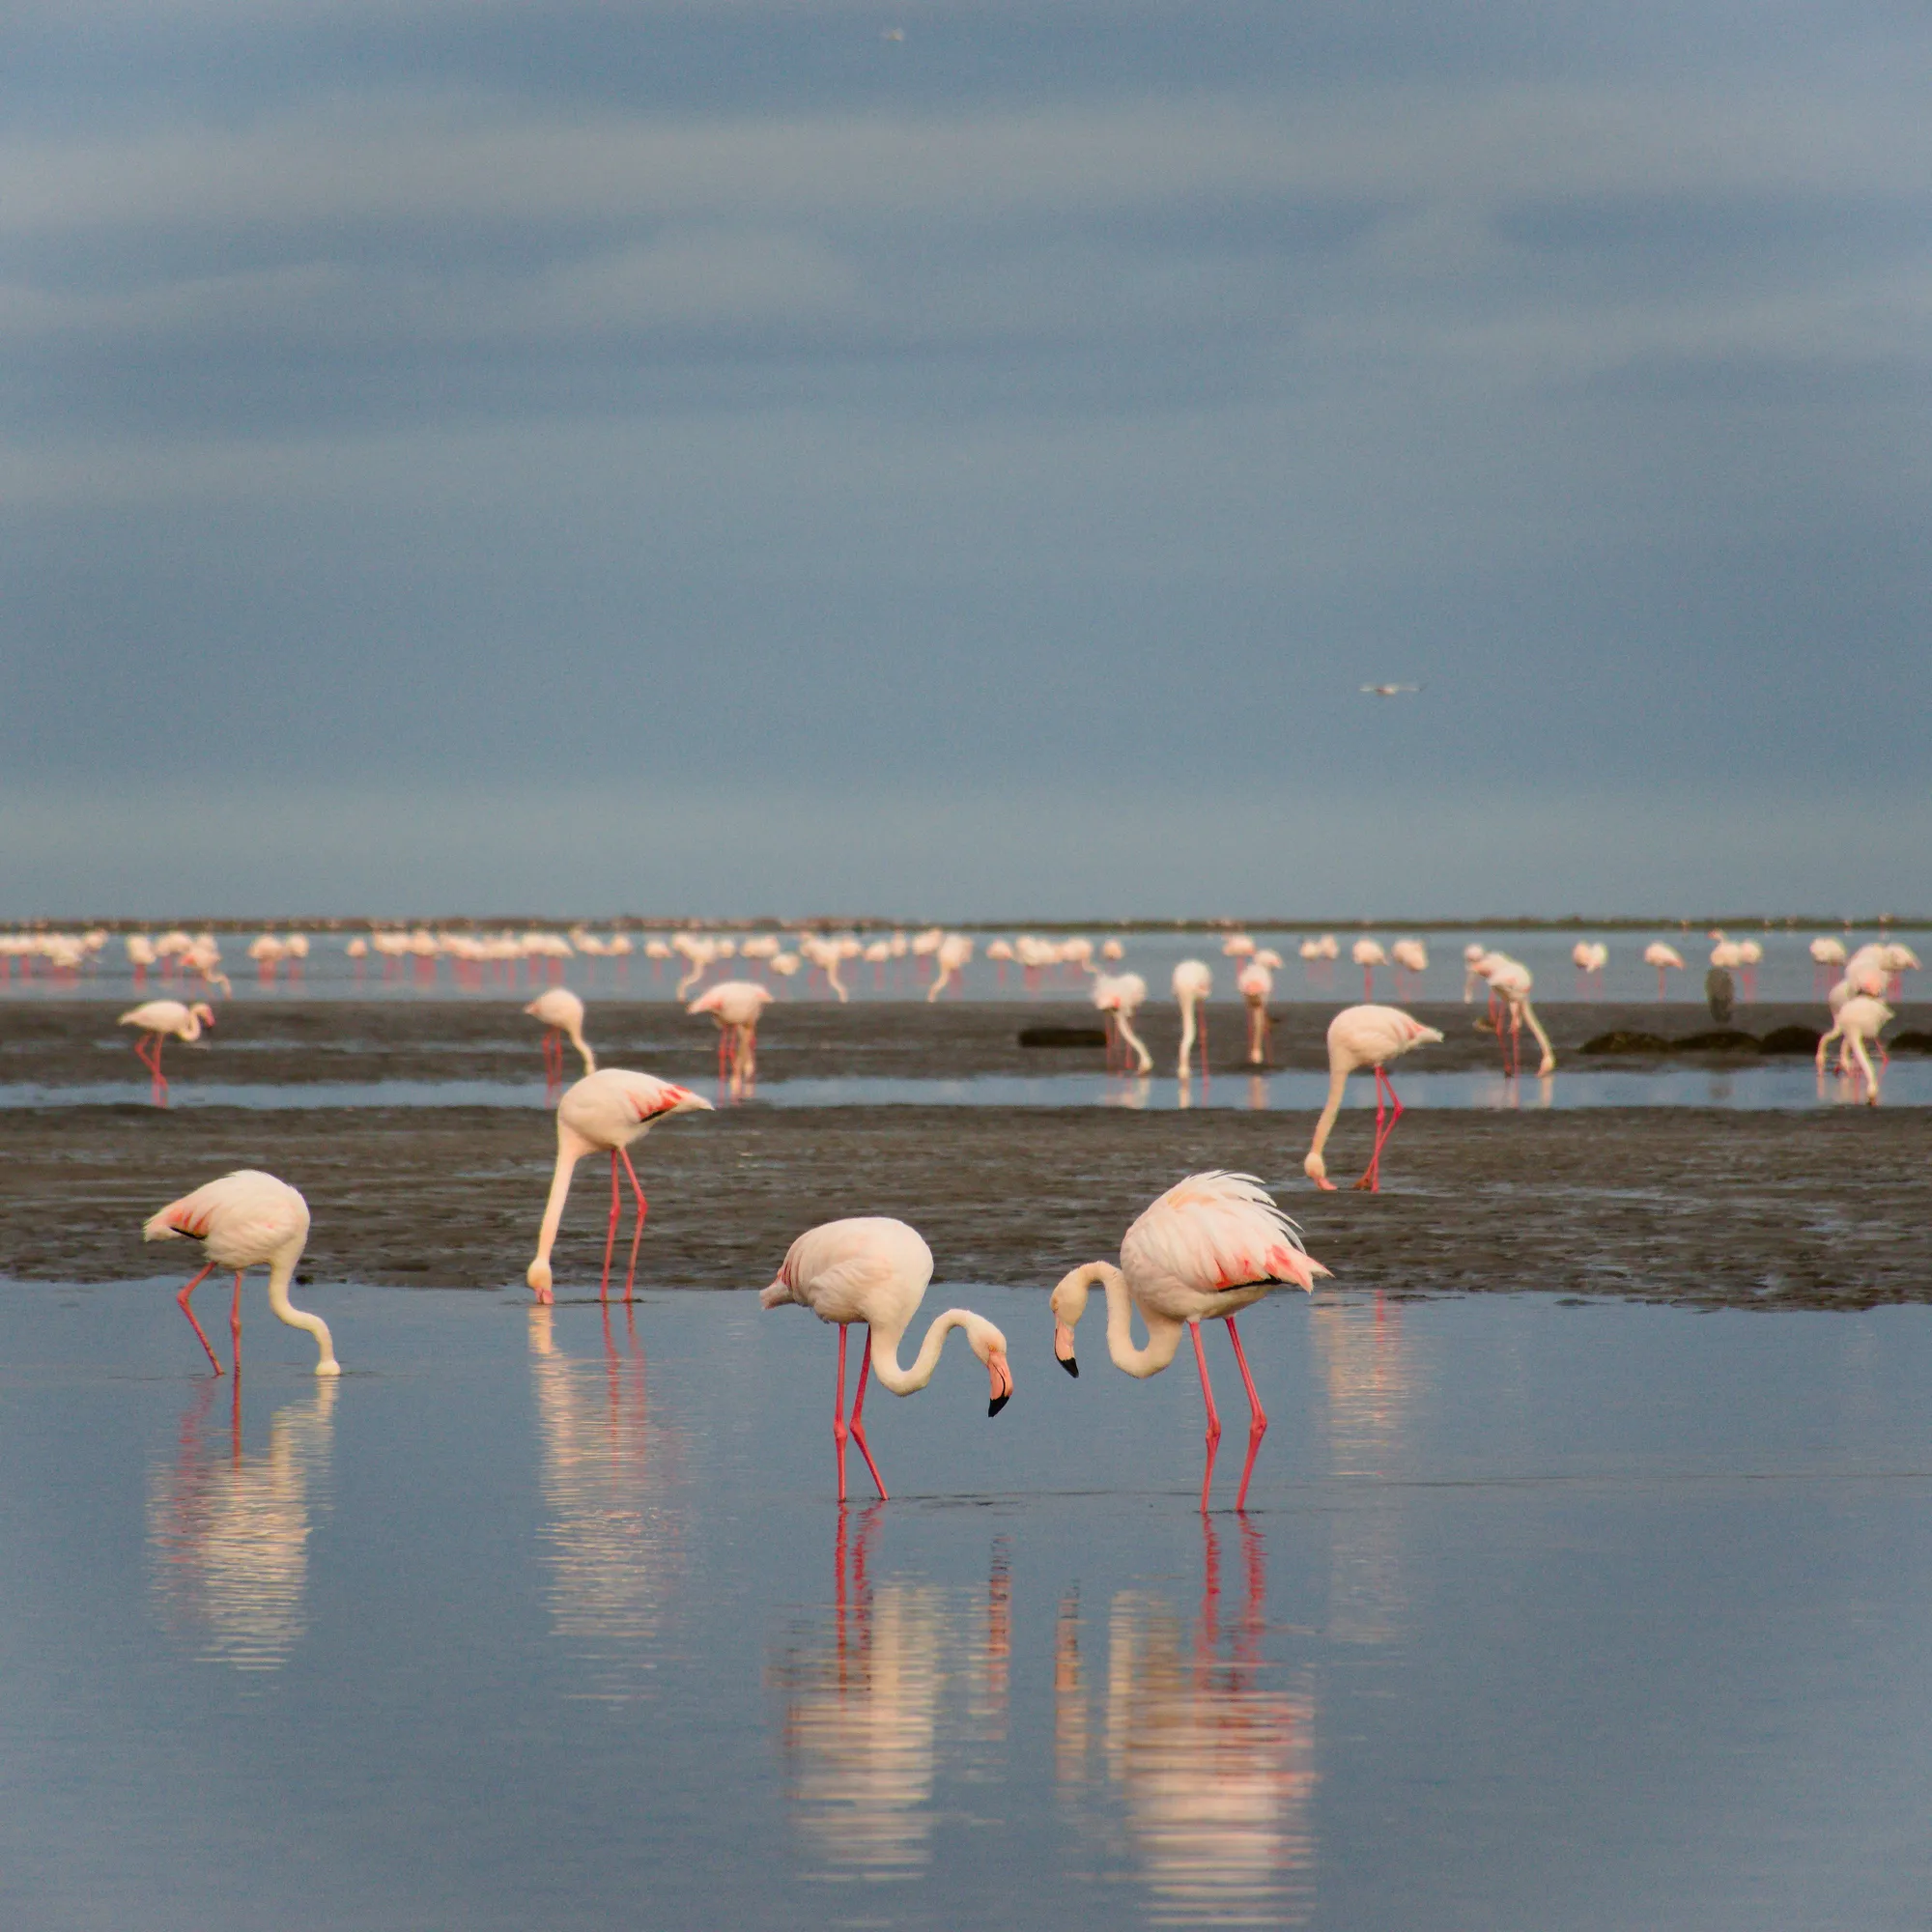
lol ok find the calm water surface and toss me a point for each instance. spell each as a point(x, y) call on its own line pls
point(1543, 1615)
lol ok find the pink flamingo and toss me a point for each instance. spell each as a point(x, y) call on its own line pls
point(605, 1111)
point(1193, 981)
point(1665, 958)
point(736, 1006)
point(1858, 1021)
point(875, 1270)
point(1210, 1246)
point(1361, 1036)
point(1255, 983)
point(1368, 955)
point(562, 1013)
point(245, 1220)
point(158, 1021)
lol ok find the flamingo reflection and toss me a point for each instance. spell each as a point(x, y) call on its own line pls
point(612, 1543)
point(228, 1531)
point(865, 1705)
point(1373, 1379)
point(1211, 1751)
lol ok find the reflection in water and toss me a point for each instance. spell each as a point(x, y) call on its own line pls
point(611, 1542)
point(864, 1704)
point(1373, 1378)
point(228, 1532)
point(1212, 1755)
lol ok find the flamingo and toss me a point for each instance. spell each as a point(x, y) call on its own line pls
point(1510, 983)
point(955, 952)
point(1859, 1021)
point(875, 1270)
point(1361, 1036)
point(1210, 1246)
point(1826, 954)
point(1665, 958)
point(157, 1021)
point(1120, 996)
point(243, 1220)
point(1255, 983)
point(1411, 956)
point(607, 1110)
point(561, 1012)
point(735, 1005)
point(1192, 982)
point(1368, 955)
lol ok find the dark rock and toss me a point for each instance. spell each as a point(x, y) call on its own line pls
point(1726, 1040)
point(1910, 1043)
point(1790, 1039)
point(1064, 1036)
point(1720, 994)
point(1627, 1043)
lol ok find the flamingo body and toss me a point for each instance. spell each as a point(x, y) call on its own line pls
point(157, 1021)
point(562, 1013)
point(1360, 1037)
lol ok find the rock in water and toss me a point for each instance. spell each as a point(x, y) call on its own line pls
point(1720, 993)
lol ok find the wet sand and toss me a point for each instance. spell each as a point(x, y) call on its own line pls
point(74, 1043)
point(1822, 1209)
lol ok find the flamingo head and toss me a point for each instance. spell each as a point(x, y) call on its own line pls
point(204, 1012)
point(1068, 1302)
point(990, 1346)
point(1316, 1170)
point(538, 1276)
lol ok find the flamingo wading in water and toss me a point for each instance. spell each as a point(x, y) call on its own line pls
point(562, 1013)
point(875, 1270)
point(605, 1111)
point(1193, 981)
point(736, 1006)
point(1210, 1246)
point(1361, 1036)
point(158, 1021)
point(243, 1220)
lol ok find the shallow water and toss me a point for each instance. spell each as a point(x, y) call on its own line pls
point(1780, 1084)
point(1541, 1615)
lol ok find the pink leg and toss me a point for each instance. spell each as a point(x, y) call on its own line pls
point(838, 1413)
point(858, 1406)
point(235, 1323)
point(1203, 1045)
point(611, 1231)
point(1368, 1182)
point(1258, 1421)
point(643, 1208)
point(1213, 1415)
point(183, 1299)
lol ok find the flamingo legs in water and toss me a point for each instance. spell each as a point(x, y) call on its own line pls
point(856, 1429)
point(182, 1300)
point(1258, 1421)
point(1371, 1180)
point(148, 1049)
point(611, 1231)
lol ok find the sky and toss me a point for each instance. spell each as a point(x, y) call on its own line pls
point(962, 460)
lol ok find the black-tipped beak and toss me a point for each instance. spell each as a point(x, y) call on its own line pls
point(998, 1402)
point(1071, 1367)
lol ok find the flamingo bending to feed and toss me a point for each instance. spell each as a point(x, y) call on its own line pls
point(1858, 1021)
point(562, 1013)
point(1210, 1246)
point(243, 1220)
point(875, 1270)
point(1120, 996)
point(1361, 1036)
point(158, 1021)
point(1255, 983)
point(605, 1111)
point(1192, 982)
point(1368, 955)
point(735, 1005)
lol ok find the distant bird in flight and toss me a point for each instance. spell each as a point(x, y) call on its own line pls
point(1387, 690)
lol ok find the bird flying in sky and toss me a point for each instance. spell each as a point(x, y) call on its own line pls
point(1388, 690)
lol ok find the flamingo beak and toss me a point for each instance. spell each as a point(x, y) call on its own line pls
point(1063, 1349)
point(1002, 1383)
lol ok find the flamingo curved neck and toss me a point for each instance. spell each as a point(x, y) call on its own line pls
point(281, 1270)
point(578, 1041)
point(1338, 1081)
point(571, 1148)
point(886, 1352)
point(1163, 1333)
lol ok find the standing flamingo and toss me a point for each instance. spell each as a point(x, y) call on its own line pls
point(157, 1021)
point(605, 1111)
point(1665, 958)
point(735, 1005)
point(562, 1013)
point(875, 1270)
point(1210, 1246)
point(243, 1220)
point(1859, 1021)
point(1120, 996)
point(1192, 983)
point(1255, 983)
point(1368, 955)
point(1361, 1036)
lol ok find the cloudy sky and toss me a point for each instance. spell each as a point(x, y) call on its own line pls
point(964, 459)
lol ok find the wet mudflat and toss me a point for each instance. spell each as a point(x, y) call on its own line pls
point(1541, 1615)
point(1702, 1206)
